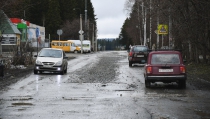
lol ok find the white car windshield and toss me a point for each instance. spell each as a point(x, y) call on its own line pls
point(50, 53)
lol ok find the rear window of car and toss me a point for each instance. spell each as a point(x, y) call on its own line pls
point(138, 49)
point(165, 59)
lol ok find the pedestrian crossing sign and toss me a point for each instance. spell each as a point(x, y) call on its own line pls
point(162, 29)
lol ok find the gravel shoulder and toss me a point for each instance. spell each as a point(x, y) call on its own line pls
point(102, 72)
point(13, 75)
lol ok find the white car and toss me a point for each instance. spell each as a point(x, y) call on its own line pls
point(52, 60)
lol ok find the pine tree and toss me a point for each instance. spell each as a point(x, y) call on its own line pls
point(53, 19)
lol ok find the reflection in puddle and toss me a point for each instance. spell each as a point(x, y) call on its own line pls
point(58, 80)
point(37, 83)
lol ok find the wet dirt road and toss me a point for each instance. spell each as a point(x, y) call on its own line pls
point(101, 86)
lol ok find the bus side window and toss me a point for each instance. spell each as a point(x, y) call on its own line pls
point(60, 44)
point(54, 44)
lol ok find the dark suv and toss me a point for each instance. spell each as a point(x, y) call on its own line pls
point(166, 67)
point(137, 54)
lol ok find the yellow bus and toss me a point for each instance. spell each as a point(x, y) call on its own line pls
point(67, 46)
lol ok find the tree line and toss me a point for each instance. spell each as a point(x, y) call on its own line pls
point(54, 15)
point(188, 24)
point(109, 44)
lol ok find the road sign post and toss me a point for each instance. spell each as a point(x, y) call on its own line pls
point(37, 37)
point(81, 36)
point(59, 32)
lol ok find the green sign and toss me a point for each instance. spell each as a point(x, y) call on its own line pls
point(21, 26)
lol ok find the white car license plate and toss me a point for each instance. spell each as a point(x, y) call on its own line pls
point(165, 70)
point(47, 66)
point(140, 55)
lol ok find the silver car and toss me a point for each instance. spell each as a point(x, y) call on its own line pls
point(51, 60)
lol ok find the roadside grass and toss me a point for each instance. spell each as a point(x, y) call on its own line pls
point(201, 71)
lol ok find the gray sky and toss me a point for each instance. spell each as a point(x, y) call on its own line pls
point(111, 16)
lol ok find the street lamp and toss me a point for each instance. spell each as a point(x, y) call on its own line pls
point(81, 31)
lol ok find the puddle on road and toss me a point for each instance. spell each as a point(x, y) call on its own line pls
point(123, 90)
point(78, 98)
point(22, 109)
point(103, 85)
point(204, 115)
point(22, 104)
point(20, 98)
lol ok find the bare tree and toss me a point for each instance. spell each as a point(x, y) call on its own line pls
point(71, 29)
point(189, 28)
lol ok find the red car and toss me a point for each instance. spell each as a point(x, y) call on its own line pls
point(166, 67)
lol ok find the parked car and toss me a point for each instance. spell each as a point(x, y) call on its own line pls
point(166, 67)
point(137, 54)
point(52, 60)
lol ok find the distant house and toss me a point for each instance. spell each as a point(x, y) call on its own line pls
point(18, 33)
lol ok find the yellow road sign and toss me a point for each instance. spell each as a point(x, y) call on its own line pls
point(162, 29)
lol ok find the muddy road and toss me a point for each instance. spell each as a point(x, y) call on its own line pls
point(101, 86)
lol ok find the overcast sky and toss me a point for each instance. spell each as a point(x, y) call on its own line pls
point(111, 16)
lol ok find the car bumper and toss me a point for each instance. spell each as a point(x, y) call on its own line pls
point(86, 50)
point(42, 68)
point(137, 60)
point(172, 78)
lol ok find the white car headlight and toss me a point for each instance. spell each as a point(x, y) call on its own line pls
point(58, 63)
point(38, 62)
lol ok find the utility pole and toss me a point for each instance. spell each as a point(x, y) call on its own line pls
point(139, 25)
point(157, 25)
point(144, 20)
point(142, 13)
point(86, 19)
point(150, 35)
point(145, 26)
point(93, 38)
point(81, 34)
point(170, 25)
